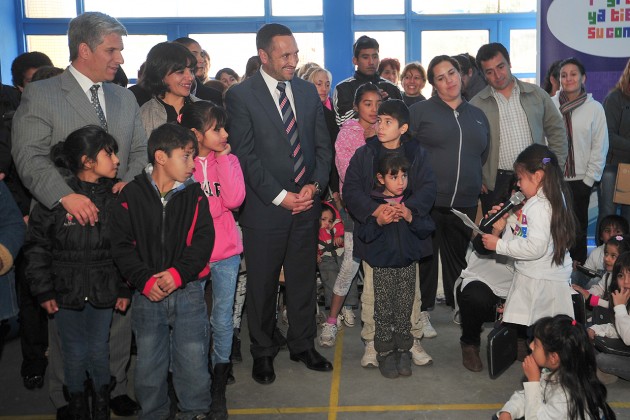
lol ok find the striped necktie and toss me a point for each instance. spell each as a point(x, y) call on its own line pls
point(290, 127)
point(97, 106)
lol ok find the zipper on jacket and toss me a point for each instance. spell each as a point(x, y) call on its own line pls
point(163, 234)
point(87, 228)
point(459, 156)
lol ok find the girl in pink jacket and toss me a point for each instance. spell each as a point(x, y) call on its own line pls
point(221, 178)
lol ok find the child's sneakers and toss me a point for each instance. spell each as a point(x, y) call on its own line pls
point(348, 316)
point(419, 355)
point(328, 335)
point(403, 363)
point(388, 363)
point(427, 328)
point(369, 356)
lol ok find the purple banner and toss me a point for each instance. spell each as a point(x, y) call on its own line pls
point(597, 32)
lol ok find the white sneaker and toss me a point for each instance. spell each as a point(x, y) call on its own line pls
point(328, 335)
point(348, 317)
point(369, 356)
point(427, 328)
point(420, 356)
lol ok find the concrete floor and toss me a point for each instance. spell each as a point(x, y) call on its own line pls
point(445, 390)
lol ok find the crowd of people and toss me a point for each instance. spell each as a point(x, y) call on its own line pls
point(126, 214)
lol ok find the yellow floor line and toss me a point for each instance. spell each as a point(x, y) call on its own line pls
point(336, 380)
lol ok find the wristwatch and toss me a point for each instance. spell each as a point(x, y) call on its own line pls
point(318, 188)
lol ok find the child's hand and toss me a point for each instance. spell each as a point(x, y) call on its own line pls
point(50, 306)
point(531, 369)
point(225, 151)
point(489, 241)
point(621, 298)
point(405, 213)
point(122, 304)
point(338, 242)
point(166, 282)
point(591, 333)
point(156, 294)
point(580, 289)
point(504, 415)
point(387, 216)
point(500, 224)
point(379, 209)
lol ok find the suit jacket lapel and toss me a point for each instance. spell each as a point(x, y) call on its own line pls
point(78, 99)
point(113, 105)
point(299, 96)
point(267, 103)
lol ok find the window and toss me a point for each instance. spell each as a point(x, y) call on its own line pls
point(50, 8)
point(432, 7)
point(170, 8)
point(296, 8)
point(391, 44)
point(378, 7)
point(136, 49)
point(523, 50)
point(54, 46)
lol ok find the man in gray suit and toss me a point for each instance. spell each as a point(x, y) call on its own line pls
point(279, 134)
point(53, 108)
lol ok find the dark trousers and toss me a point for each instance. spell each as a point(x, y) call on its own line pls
point(581, 197)
point(477, 304)
point(267, 250)
point(450, 241)
point(394, 290)
point(33, 326)
point(501, 192)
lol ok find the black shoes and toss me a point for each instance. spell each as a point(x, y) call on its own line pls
point(313, 360)
point(263, 372)
point(123, 406)
point(32, 382)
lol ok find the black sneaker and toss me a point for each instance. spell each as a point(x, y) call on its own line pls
point(387, 364)
point(34, 381)
point(403, 364)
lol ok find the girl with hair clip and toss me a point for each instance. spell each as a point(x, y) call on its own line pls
point(596, 295)
point(613, 366)
point(70, 270)
point(542, 238)
point(567, 387)
point(221, 178)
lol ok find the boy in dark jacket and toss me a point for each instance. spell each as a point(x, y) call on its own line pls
point(393, 228)
point(162, 238)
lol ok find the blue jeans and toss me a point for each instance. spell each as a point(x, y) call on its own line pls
point(84, 336)
point(172, 331)
point(224, 274)
point(605, 194)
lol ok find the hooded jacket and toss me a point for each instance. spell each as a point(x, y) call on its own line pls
point(221, 179)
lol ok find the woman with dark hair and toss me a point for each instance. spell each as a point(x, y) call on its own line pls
point(389, 68)
point(252, 66)
point(227, 76)
point(456, 136)
point(617, 109)
point(414, 78)
point(169, 74)
point(587, 135)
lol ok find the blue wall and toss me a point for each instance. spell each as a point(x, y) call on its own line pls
point(8, 40)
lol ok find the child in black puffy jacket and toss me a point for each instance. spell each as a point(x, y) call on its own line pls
point(70, 269)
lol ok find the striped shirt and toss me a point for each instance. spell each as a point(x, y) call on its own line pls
point(514, 128)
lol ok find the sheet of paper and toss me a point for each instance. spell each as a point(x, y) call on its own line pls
point(467, 221)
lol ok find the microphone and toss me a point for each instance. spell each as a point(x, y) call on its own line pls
point(516, 199)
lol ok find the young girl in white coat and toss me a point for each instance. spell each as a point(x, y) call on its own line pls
point(561, 376)
point(541, 240)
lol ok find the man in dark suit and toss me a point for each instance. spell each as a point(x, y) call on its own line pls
point(49, 111)
point(278, 132)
